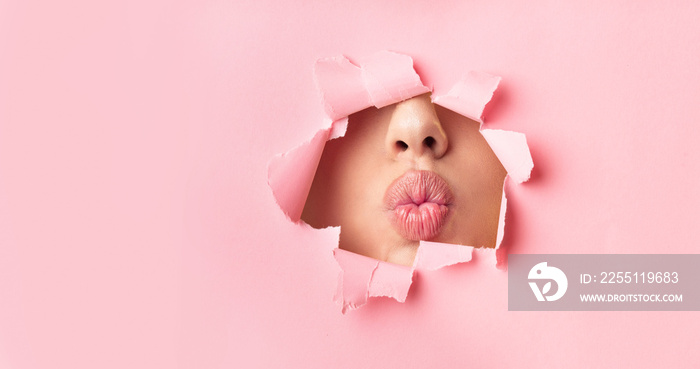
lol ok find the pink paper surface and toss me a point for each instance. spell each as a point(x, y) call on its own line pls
point(137, 229)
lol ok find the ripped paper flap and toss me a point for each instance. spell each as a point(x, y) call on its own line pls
point(390, 78)
point(470, 95)
point(512, 151)
point(391, 280)
point(381, 79)
point(362, 277)
point(435, 255)
point(291, 174)
point(355, 278)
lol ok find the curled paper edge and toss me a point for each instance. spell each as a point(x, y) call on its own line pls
point(379, 80)
point(512, 151)
point(470, 95)
point(291, 174)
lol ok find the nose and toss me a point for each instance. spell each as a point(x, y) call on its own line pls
point(415, 130)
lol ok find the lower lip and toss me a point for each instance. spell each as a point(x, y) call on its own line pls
point(418, 202)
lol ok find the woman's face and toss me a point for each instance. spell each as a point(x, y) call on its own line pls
point(403, 173)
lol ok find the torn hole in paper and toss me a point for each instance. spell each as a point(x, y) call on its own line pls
point(412, 179)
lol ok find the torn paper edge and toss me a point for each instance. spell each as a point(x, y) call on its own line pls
point(291, 174)
point(469, 96)
point(380, 80)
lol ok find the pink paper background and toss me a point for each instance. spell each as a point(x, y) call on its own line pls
point(137, 229)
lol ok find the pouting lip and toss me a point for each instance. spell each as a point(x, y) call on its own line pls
point(418, 203)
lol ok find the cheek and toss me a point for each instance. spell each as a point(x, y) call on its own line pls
point(475, 174)
point(478, 164)
point(365, 178)
point(356, 179)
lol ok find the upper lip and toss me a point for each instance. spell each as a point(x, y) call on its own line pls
point(418, 187)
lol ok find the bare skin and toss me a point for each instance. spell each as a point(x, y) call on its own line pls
point(381, 145)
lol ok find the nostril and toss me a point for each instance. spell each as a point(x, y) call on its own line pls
point(401, 145)
point(429, 142)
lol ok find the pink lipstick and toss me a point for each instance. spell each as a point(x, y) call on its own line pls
point(418, 202)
